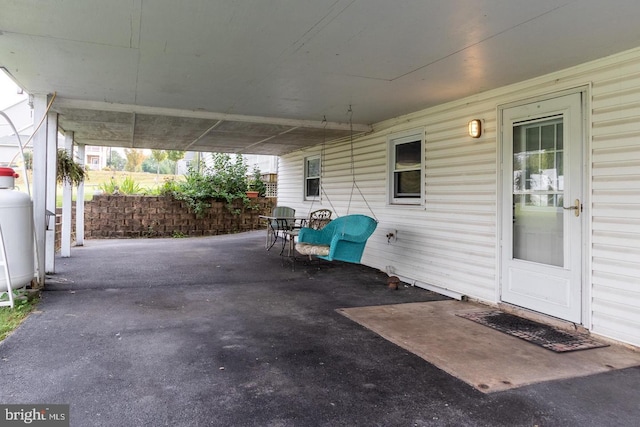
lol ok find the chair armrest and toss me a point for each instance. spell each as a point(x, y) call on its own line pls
point(348, 238)
point(309, 235)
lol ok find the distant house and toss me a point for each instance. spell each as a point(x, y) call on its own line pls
point(268, 165)
point(96, 157)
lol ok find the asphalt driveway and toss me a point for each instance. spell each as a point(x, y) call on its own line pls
point(217, 331)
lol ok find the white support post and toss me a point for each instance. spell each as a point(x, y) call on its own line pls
point(80, 202)
point(67, 202)
point(52, 162)
point(39, 182)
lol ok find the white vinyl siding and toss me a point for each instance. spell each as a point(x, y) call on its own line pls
point(449, 242)
point(615, 202)
point(452, 241)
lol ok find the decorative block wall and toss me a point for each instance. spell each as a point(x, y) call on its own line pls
point(122, 216)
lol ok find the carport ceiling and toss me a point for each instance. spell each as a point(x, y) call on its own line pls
point(259, 76)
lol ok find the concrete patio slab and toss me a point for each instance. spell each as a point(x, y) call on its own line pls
point(482, 357)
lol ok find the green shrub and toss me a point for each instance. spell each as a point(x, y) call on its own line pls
point(168, 187)
point(130, 186)
point(109, 187)
point(127, 186)
point(225, 180)
point(152, 191)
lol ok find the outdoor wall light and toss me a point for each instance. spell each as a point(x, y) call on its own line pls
point(475, 128)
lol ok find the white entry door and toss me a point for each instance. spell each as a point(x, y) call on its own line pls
point(542, 214)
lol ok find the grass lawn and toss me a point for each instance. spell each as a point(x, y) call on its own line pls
point(147, 181)
point(10, 318)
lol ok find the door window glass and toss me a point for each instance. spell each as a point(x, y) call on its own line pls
point(538, 188)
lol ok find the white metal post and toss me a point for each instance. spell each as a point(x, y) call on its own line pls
point(80, 202)
point(40, 182)
point(52, 162)
point(67, 190)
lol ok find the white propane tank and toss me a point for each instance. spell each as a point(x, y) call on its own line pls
point(16, 220)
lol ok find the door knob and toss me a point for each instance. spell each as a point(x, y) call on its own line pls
point(576, 207)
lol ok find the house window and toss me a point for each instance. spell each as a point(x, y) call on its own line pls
point(406, 168)
point(312, 177)
point(94, 162)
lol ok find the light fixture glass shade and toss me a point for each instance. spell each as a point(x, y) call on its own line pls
point(475, 128)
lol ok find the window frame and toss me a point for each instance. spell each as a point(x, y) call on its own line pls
point(393, 140)
point(307, 177)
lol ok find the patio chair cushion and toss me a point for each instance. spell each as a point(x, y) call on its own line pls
point(309, 249)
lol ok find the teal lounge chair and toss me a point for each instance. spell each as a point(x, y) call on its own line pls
point(342, 239)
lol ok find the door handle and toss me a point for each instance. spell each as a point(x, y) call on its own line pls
point(576, 207)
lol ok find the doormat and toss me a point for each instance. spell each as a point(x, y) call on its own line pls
point(549, 337)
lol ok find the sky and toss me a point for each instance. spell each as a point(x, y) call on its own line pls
point(8, 92)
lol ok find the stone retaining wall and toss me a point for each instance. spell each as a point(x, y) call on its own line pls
point(122, 216)
point(58, 236)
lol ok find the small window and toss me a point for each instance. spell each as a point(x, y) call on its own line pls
point(312, 177)
point(406, 168)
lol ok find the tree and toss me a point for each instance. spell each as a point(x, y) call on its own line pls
point(115, 161)
point(151, 166)
point(174, 156)
point(134, 159)
point(158, 156)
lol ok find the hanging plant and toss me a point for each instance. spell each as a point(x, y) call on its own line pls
point(68, 170)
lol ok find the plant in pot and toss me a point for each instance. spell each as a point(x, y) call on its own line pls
point(255, 186)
